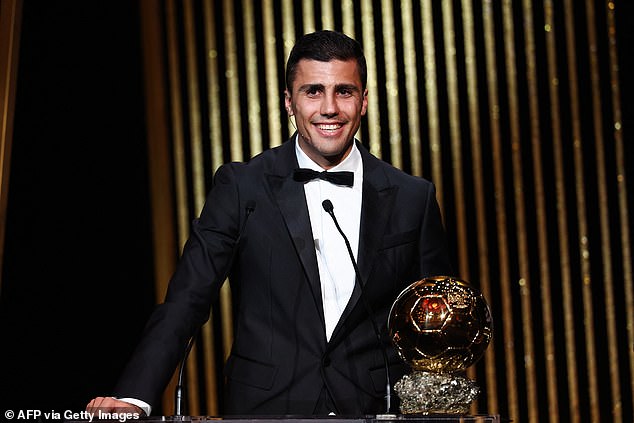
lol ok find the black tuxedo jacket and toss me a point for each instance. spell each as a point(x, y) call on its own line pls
point(280, 360)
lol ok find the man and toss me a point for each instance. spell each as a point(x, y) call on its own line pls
point(304, 341)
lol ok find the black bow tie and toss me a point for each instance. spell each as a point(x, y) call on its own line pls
point(339, 178)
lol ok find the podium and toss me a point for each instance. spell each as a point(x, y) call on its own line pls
point(397, 418)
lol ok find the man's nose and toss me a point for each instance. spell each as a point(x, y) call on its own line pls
point(329, 106)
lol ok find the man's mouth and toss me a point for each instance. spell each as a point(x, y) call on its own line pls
point(329, 126)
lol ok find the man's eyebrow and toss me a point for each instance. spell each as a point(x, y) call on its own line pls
point(321, 87)
point(348, 87)
point(311, 87)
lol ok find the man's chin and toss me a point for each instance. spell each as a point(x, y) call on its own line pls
point(334, 158)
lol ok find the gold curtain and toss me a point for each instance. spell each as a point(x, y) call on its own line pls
point(10, 23)
point(511, 108)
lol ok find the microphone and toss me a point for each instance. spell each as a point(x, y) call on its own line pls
point(328, 207)
point(178, 400)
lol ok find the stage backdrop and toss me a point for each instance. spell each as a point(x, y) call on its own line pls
point(513, 110)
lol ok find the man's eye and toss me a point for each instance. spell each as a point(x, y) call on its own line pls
point(345, 92)
point(312, 91)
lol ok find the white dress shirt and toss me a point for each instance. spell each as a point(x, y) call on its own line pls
point(336, 271)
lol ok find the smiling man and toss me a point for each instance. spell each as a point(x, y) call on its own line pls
point(305, 341)
point(327, 100)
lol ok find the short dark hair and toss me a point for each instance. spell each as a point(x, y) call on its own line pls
point(325, 46)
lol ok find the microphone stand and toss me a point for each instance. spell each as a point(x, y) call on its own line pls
point(178, 401)
point(328, 207)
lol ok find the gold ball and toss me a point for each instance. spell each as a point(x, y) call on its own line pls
point(440, 324)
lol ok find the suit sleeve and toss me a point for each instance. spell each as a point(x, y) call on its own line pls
point(434, 257)
point(192, 289)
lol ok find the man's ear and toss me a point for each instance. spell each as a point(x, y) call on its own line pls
point(288, 103)
point(364, 102)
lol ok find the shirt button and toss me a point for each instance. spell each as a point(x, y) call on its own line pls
point(326, 361)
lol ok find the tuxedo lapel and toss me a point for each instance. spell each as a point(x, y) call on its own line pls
point(378, 201)
point(376, 209)
point(291, 200)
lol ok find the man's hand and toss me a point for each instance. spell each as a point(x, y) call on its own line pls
point(112, 405)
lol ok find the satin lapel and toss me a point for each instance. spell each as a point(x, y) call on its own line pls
point(376, 209)
point(291, 201)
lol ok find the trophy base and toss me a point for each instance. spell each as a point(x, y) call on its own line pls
point(435, 393)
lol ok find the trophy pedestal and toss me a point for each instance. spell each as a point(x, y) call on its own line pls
point(427, 393)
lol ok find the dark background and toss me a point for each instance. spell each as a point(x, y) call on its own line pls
point(77, 282)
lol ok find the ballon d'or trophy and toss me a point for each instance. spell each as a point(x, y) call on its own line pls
point(440, 326)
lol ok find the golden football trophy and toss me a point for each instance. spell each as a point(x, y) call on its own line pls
point(440, 326)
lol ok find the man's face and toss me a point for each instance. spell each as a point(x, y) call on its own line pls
point(327, 100)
